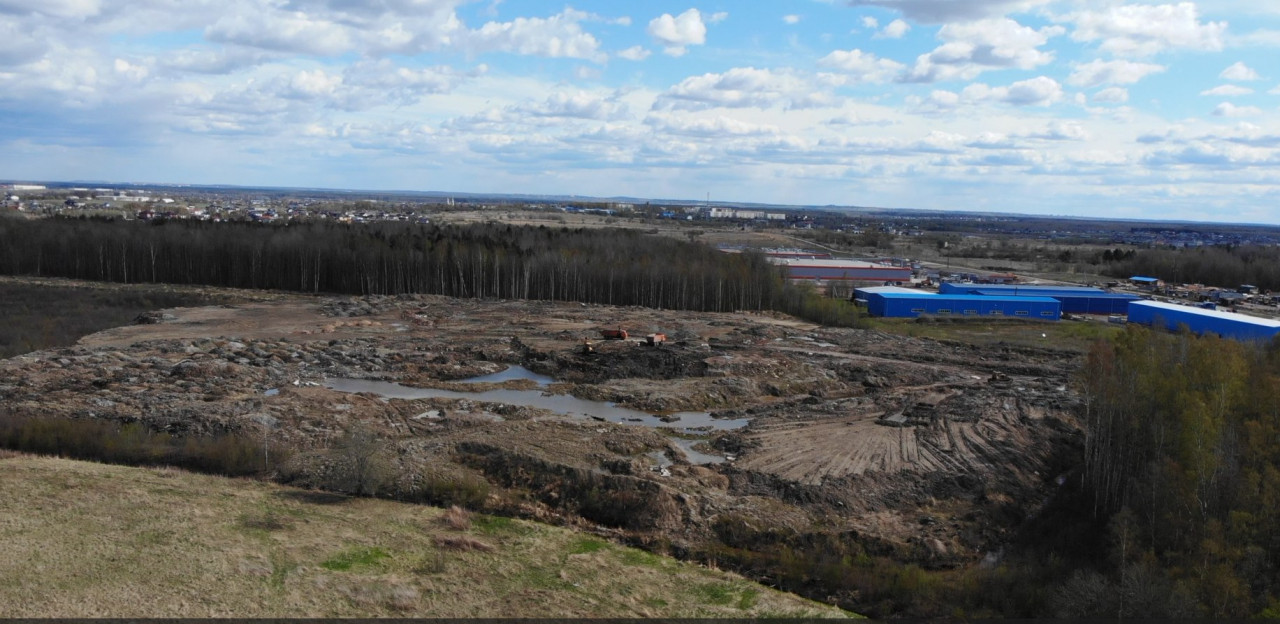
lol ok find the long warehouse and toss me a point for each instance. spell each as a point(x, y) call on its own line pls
point(842, 270)
point(1074, 299)
point(1172, 316)
point(909, 303)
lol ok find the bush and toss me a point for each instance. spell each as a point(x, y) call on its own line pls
point(133, 444)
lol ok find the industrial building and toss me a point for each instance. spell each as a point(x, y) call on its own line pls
point(1172, 316)
point(842, 270)
point(895, 302)
point(1074, 299)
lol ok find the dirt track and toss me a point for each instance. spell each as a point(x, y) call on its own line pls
point(849, 429)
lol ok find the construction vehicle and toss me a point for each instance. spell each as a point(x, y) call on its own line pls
point(655, 340)
point(614, 334)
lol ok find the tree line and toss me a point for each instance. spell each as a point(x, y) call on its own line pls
point(1218, 266)
point(1182, 461)
point(617, 267)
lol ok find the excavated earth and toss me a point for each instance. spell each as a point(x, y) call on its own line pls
point(937, 449)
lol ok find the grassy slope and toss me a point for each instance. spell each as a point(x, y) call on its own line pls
point(93, 540)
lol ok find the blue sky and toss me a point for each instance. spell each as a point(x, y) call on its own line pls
point(1072, 107)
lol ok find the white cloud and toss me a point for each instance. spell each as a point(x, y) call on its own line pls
point(791, 19)
point(742, 87)
point(1228, 91)
point(863, 66)
point(1098, 72)
point(1062, 131)
point(894, 30)
point(971, 48)
point(676, 33)
point(870, 22)
point(1239, 72)
point(1144, 30)
point(1227, 109)
point(1038, 91)
point(940, 11)
point(295, 32)
point(716, 127)
point(634, 53)
point(559, 36)
point(1112, 95)
point(580, 105)
point(74, 9)
point(717, 17)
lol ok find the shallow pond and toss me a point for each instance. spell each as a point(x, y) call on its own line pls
point(558, 403)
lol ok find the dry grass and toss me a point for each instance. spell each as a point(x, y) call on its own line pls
point(456, 518)
point(93, 540)
point(462, 543)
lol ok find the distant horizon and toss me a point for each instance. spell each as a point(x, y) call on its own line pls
point(54, 184)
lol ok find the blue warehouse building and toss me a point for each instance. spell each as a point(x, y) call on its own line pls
point(908, 303)
point(1074, 299)
point(1201, 321)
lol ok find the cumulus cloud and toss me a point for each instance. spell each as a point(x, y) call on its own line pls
point(18, 45)
point(676, 33)
point(1038, 91)
point(296, 32)
point(862, 66)
point(1228, 91)
point(1227, 109)
point(559, 36)
point(717, 17)
point(74, 9)
point(716, 127)
point(1120, 72)
point(1239, 72)
point(1112, 95)
point(971, 48)
point(791, 19)
point(940, 11)
point(1144, 30)
point(870, 22)
point(742, 87)
point(578, 105)
point(1062, 131)
point(894, 30)
point(634, 53)
point(336, 27)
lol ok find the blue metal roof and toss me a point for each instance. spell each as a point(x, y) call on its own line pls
point(1200, 321)
point(947, 287)
point(958, 297)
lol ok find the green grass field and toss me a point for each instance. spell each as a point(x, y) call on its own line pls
point(95, 540)
point(1074, 336)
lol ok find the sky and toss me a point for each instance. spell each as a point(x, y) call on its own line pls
point(1102, 108)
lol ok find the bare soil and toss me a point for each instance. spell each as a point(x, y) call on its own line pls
point(850, 430)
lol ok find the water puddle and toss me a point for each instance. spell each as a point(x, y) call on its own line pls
point(695, 457)
point(271, 392)
point(559, 403)
point(661, 459)
point(511, 373)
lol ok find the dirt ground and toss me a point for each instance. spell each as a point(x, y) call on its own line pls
point(847, 429)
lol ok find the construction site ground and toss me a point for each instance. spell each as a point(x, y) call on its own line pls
point(937, 448)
